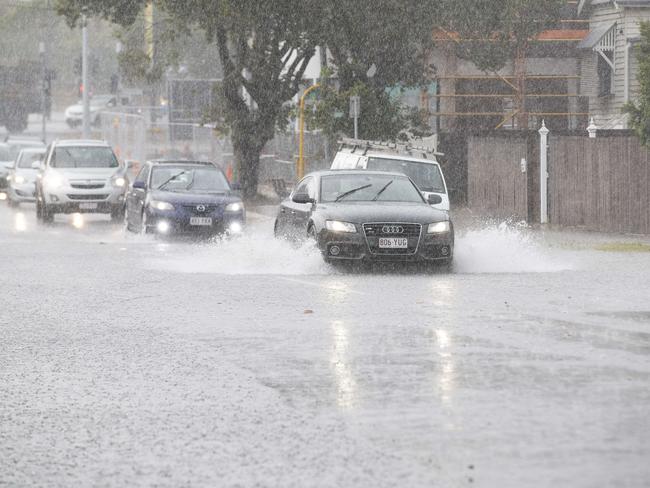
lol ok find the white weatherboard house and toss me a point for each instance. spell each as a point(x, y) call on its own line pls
point(609, 68)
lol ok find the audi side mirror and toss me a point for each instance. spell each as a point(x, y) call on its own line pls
point(434, 199)
point(302, 198)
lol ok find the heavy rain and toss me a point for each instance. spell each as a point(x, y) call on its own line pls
point(329, 243)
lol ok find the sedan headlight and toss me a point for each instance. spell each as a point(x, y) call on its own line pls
point(158, 205)
point(234, 207)
point(439, 227)
point(19, 179)
point(119, 181)
point(338, 226)
point(53, 180)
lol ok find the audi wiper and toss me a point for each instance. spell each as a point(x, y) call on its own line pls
point(350, 192)
point(382, 190)
point(160, 187)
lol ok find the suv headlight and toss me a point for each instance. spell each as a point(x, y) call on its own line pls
point(439, 227)
point(338, 226)
point(119, 181)
point(18, 179)
point(53, 180)
point(234, 207)
point(158, 205)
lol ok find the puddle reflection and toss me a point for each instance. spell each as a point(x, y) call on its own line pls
point(346, 385)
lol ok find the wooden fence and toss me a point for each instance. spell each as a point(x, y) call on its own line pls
point(599, 184)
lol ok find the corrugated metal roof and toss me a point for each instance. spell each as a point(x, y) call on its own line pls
point(595, 35)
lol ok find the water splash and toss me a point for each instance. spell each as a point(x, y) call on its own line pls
point(505, 248)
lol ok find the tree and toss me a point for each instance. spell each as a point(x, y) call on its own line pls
point(491, 33)
point(264, 47)
point(640, 114)
point(377, 46)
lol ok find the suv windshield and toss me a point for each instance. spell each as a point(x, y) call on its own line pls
point(425, 175)
point(191, 179)
point(368, 188)
point(83, 157)
point(27, 157)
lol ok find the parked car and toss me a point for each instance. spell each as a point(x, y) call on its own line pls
point(417, 162)
point(183, 197)
point(74, 113)
point(6, 162)
point(80, 176)
point(359, 215)
point(22, 176)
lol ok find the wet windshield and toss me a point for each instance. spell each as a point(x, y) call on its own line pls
point(83, 157)
point(426, 176)
point(368, 188)
point(203, 179)
point(26, 158)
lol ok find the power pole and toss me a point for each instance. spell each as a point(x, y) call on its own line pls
point(84, 78)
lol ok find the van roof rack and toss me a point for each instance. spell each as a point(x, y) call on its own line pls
point(399, 147)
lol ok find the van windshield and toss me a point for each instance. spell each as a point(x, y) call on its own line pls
point(426, 176)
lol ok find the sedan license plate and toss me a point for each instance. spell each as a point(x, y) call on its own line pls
point(200, 221)
point(393, 242)
point(88, 206)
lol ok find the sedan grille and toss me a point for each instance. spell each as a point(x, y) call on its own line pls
point(376, 230)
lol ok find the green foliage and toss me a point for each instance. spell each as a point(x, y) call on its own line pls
point(640, 112)
point(491, 32)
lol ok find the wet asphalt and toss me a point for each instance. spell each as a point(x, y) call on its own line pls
point(127, 360)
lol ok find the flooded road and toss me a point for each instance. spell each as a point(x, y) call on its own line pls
point(127, 360)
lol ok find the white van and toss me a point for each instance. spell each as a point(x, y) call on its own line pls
point(418, 163)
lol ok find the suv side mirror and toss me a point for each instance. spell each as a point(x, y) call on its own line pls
point(302, 198)
point(434, 199)
point(139, 184)
point(37, 164)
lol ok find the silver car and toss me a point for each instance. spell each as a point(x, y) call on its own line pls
point(22, 176)
point(80, 176)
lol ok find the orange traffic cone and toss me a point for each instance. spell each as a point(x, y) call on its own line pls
point(229, 172)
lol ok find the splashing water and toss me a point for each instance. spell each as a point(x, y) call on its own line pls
point(255, 252)
point(504, 248)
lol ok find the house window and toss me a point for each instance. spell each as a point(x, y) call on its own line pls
point(604, 77)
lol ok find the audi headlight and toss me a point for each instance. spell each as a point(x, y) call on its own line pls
point(234, 207)
point(338, 226)
point(19, 179)
point(53, 180)
point(439, 227)
point(119, 181)
point(158, 205)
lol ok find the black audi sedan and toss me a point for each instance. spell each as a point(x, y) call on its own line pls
point(367, 216)
point(173, 197)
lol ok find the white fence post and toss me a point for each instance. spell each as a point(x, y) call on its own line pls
point(543, 173)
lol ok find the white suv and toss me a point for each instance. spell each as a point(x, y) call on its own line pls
point(80, 176)
point(418, 163)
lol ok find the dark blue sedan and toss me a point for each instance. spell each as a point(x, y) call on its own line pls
point(183, 197)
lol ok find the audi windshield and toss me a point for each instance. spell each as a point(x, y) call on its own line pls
point(368, 188)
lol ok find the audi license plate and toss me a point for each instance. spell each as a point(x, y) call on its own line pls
point(200, 221)
point(393, 242)
point(88, 206)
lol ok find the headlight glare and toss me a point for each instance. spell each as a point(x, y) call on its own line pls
point(234, 207)
point(19, 179)
point(158, 205)
point(439, 227)
point(53, 180)
point(338, 226)
point(119, 181)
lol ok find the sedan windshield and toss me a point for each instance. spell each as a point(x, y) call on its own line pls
point(425, 175)
point(198, 179)
point(83, 157)
point(27, 157)
point(368, 188)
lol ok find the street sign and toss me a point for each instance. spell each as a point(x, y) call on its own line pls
point(355, 106)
